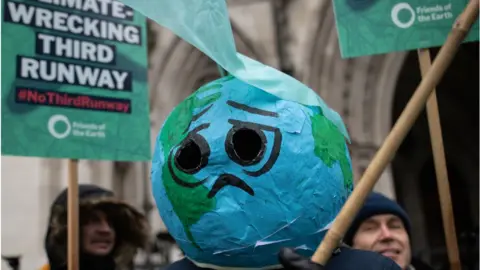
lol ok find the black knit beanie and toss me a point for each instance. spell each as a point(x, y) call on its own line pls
point(376, 204)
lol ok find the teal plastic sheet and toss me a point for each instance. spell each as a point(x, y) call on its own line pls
point(205, 24)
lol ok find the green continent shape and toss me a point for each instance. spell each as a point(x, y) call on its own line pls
point(190, 204)
point(330, 146)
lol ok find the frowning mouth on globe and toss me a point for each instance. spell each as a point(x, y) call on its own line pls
point(229, 180)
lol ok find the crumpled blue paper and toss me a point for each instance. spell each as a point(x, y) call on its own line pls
point(205, 24)
point(228, 209)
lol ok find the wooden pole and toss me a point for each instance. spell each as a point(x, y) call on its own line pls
point(396, 136)
point(440, 167)
point(73, 223)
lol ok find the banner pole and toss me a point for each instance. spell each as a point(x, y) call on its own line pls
point(396, 136)
point(73, 222)
point(441, 171)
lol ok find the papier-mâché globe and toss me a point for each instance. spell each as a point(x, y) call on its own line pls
point(238, 173)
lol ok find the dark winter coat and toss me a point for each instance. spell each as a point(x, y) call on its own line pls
point(344, 259)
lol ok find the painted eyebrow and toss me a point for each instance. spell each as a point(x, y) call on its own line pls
point(198, 115)
point(249, 109)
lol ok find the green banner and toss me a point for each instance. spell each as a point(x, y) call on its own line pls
point(74, 80)
point(367, 27)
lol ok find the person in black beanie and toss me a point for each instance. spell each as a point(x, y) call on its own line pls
point(383, 226)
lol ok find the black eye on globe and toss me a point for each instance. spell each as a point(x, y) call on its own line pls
point(245, 146)
point(192, 155)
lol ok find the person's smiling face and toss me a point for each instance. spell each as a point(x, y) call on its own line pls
point(98, 235)
point(386, 235)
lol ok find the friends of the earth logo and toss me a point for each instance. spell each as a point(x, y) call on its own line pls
point(404, 15)
point(60, 127)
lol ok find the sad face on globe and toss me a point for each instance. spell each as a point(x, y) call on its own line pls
point(238, 173)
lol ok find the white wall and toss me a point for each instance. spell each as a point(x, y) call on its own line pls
point(22, 202)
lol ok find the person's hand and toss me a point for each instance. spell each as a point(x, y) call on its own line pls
point(293, 261)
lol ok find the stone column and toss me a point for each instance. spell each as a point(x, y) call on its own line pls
point(362, 154)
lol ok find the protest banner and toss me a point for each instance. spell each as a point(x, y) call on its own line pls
point(74, 85)
point(376, 27)
point(74, 80)
point(373, 27)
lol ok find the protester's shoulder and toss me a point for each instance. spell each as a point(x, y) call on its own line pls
point(348, 258)
point(183, 264)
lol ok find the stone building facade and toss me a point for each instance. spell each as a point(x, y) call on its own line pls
point(298, 37)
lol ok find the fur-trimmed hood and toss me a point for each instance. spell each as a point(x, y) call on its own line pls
point(131, 227)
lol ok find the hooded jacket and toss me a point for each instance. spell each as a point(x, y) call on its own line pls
point(131, 228)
